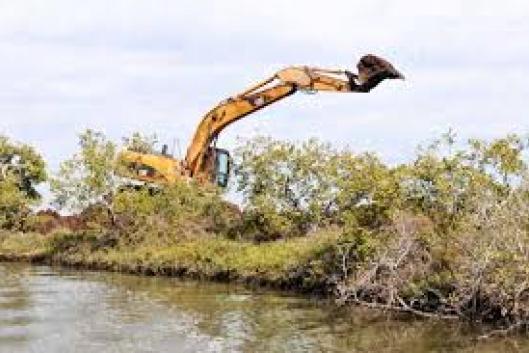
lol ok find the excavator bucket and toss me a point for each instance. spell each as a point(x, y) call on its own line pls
point(371, 65)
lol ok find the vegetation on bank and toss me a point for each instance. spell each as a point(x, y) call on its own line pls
point(446, 234)
point(21, 169)
point(296, 264)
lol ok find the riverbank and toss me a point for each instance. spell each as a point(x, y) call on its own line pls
point(294, 264)
point(404, 277)
point(445, 235)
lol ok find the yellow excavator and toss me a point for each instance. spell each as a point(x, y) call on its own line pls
point(206, 163)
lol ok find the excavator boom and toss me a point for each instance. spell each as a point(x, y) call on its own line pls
point(201, 161)
point(225, 114)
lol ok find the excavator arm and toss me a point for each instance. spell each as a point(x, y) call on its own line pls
point(283, 84)
point(203, 161)
point(226, 113)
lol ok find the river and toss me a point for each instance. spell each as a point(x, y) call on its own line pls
point(44, 309)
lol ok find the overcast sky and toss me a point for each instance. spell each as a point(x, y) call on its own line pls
point(158, 66)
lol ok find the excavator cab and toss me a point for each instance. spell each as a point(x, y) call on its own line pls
point(222, 167)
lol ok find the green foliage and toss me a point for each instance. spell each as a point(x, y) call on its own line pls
point(503, 157)
point(493, 241)
point(171, 213)
point(22, 165)
point(367, 191)
point(89, 182)
point(446, 232)
point(443, 179)
point(88, 177)
point(288, 189)
point(14, 205)
point(292, 189)
point(21, 169)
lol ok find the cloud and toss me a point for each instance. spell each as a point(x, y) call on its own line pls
point(158, 66)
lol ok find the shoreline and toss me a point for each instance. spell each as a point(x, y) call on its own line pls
point(304, 266)
point(170, 272)
point(289, 273)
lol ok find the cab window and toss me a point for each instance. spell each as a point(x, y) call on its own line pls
point(222, 167)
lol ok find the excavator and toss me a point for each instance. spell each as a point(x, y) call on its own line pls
point(206, 163)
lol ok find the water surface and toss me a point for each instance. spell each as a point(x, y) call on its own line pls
point(45, 309)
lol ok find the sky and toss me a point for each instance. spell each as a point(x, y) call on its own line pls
point(157, 66)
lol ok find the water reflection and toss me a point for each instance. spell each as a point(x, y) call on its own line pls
point(53, 310)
